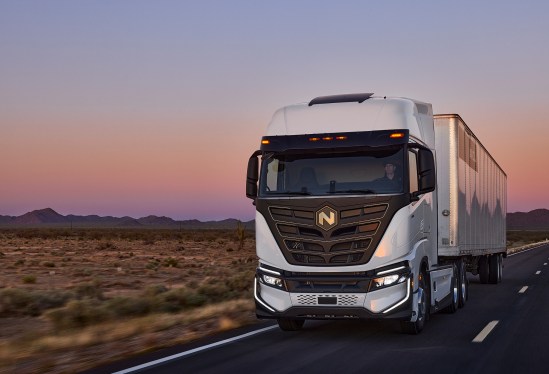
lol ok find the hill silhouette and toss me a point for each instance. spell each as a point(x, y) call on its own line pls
point(50, 218)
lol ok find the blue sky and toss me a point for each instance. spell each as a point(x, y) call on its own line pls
point(148, 107)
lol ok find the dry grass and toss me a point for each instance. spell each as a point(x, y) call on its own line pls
point(72, 301)
point(133, 336)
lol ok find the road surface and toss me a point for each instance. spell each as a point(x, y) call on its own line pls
point(503, 328)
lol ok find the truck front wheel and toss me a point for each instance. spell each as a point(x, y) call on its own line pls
point(290, 324)
point(415, 328)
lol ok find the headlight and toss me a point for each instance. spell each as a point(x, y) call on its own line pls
point(272, 281)
point(388, 280)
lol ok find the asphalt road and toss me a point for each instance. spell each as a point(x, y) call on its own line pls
point(517, 344)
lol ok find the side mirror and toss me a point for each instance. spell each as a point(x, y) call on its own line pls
point(252, 176)
point(426, 172)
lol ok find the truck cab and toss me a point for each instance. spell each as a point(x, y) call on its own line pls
point(346, 214)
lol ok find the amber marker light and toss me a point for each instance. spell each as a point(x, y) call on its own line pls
point(396, 135)
point(314, 139)
point(341, 138)
point(328, 138)
point(265, 141)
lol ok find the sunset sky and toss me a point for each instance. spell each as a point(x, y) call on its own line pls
point(153, 107)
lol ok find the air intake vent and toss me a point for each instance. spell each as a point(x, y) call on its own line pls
point(348, 98)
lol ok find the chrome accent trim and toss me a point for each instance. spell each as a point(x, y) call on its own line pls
point(258, 299)
point(403, 300)
point(391, 270)
point(269, 271)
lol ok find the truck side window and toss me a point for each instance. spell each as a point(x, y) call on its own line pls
point(412, 162)
point(273, 176)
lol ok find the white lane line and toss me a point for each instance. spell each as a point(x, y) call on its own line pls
point(485, 331)
point(538, 272)
point(523, 289)
point(191, 351)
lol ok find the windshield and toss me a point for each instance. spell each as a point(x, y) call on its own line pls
point(329, 173)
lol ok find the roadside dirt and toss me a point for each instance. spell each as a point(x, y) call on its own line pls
point(117, 267)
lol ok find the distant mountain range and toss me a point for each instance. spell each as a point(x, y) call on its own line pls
point(534, 220)
point(50, 218)
point(537, 219)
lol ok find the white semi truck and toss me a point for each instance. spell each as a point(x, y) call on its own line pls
point(371, 207)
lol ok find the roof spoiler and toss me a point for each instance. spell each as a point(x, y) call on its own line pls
point(348, 98)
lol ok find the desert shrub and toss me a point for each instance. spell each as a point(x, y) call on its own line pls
point(77, 313)
point(153, 264)
point(106, 245)
point(127, 307)
point(526, 236)
point(154, 290)
point(241, 281)
point(49, 264)
point(29, 279)
point(178, 299)
point(14, 302)
point(19, 302)
point(171, 262)
point(19, 262)
point(214, 291)
point(88, 291)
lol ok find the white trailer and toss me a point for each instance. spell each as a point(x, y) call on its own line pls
point(472, 199)
point(370, 207)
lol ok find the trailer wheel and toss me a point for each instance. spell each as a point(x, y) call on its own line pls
point(463, 283)
point(290, 324)
point(454, 304)
point(415, 328)
point(495, 265)
point(483, 269)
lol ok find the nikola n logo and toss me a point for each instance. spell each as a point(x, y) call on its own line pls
point(326, 218)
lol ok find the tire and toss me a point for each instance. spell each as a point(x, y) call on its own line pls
point(290, 324)
point(483, 269)
point(463, 283)
point(454, 292)
point(500, 258)
point(495, 265)
point(416, 327)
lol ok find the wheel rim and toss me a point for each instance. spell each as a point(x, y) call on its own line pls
point(463, 282)
point(421, 305)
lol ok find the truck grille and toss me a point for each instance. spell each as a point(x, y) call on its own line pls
point(341, 299)
point(347, 243)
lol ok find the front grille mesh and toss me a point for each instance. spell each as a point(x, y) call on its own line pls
point(344, 244)
point(342, 299)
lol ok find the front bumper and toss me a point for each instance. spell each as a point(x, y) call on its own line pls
point(333, 296)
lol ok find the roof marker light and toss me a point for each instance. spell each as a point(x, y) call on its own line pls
point(341, 138)
point(265, 141)
point(397, 135)
point(315, 139)
point(328, 138)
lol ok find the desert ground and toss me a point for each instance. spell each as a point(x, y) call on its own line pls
point(71, 300)
point(74, 299)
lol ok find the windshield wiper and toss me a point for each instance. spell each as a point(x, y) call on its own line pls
point(355, 191)
point(287, 193)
